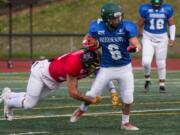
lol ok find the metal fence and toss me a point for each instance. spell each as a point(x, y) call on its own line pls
point(39, 45)
point(32, 45)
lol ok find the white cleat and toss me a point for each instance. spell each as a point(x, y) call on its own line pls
point(8, 113)
point(129, 127)
point(77, 114)
point(5, 94)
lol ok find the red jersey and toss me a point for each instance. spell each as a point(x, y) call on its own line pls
point(67, 64)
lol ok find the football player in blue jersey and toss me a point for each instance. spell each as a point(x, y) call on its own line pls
point(155, 17)
point(117, 37)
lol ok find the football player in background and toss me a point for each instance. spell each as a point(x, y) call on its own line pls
point(154, 18)
point(114, 36)
point(46, 75)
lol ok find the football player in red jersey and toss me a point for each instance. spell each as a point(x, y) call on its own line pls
point(46, 75)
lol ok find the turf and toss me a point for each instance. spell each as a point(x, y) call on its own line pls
point(153, 113)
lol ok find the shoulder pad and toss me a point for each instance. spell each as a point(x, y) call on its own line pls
point(131, 28)
point(73, 63)
point(169, 9)
point(143, 8)
point(94, 25)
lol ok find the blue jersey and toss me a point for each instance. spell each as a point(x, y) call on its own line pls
point(156, 20)
point(114, 44)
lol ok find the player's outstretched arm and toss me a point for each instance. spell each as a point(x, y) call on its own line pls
point(72, 83)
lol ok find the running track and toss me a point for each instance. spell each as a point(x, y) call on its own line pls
point(24, 65)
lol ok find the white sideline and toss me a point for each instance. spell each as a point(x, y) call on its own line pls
point(96, 114)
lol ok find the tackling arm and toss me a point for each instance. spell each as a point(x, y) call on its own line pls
point(72, 83)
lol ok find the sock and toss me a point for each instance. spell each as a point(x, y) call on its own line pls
point(147, 79)
point(162, 84)
point(83, 107)
point(113, 90)
point(125, 119)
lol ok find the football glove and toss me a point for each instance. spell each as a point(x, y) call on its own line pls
point(90, 43)
point(96, 100)
point(115, 100)
point(132, 49)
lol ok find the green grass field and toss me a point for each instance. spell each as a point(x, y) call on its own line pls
point(153, 113)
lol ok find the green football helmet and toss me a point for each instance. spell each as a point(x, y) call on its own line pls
point(156, 3)
point(110, 11)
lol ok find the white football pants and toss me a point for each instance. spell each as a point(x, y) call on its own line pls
point(159, 48)
point(123, 75)
point(40, 85)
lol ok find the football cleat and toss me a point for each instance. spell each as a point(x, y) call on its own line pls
point(5, 94)
point(8, 112)
point(147, 86)
point(77, 114)
point(129, 126)
point(162, 89)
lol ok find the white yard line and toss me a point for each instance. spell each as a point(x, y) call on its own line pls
point(90, 80)
point(142, 112)
point(24, 73)
point(101, 105)
point(29, 133)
